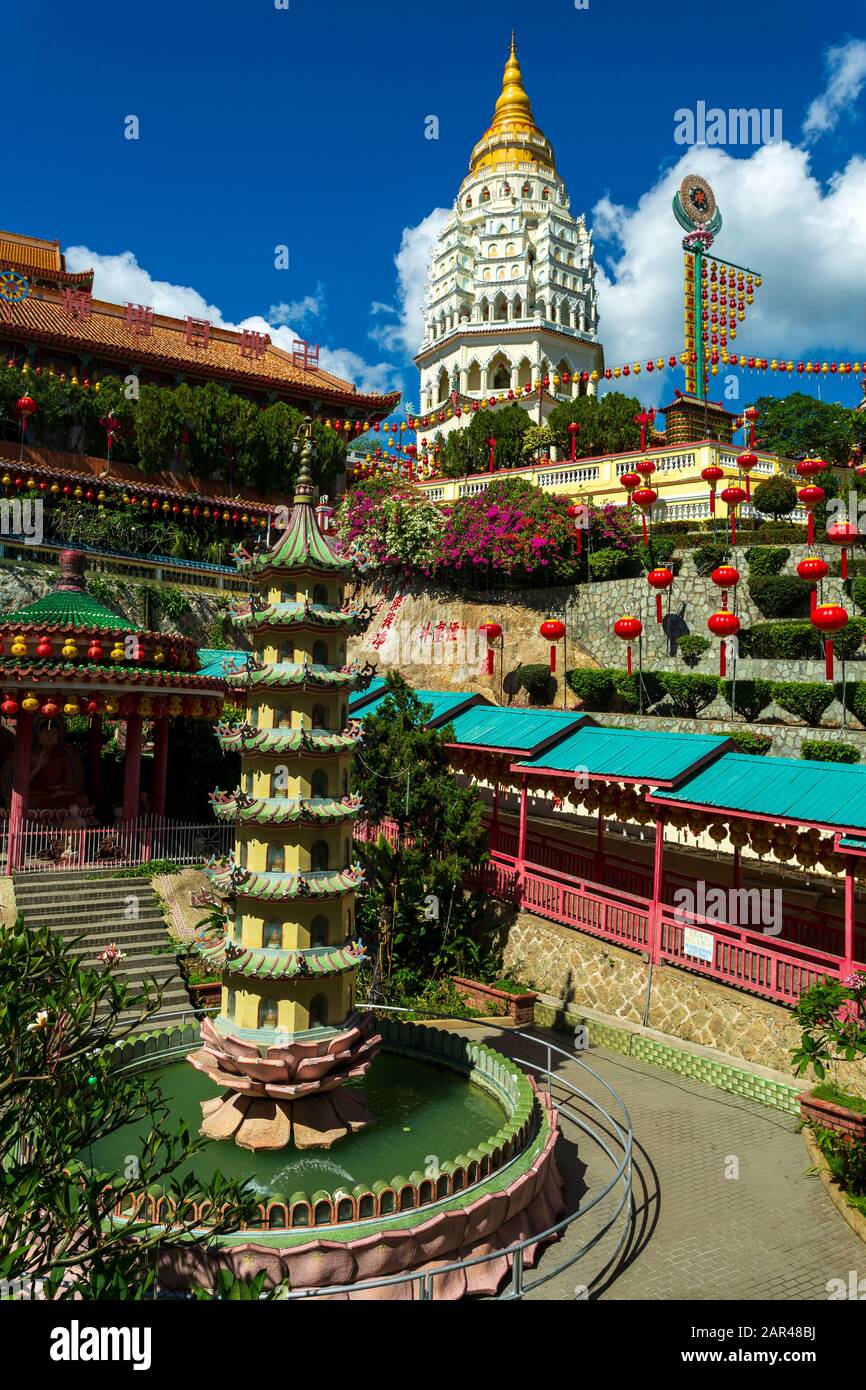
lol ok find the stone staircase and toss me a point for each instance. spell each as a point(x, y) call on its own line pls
point(92, 912)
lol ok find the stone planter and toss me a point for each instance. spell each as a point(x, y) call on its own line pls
point(520, 1007)
point(831, 1116)
point(206, 996)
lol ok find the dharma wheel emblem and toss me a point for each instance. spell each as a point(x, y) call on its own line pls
point(695, 206)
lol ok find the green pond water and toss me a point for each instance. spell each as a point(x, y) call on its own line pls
point(422, 1112)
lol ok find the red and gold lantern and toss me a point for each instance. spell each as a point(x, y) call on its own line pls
point(829, 618)
point(712, 474)
point(846, 534)
point(733, 497)
point(644, 499)
point(726, 577)
point(810, 497)
point(554, 631)
point(493, 632)
point(813, 569)
point(660, 579)
point(746, 462)
point(723, 624)
point(629, 629)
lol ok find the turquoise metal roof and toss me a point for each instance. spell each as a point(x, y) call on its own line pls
point(855, 842)
point(641, 755)
point(519, 730)
point(445, 703)
point(360, 697)
point(217, 662)
point(831, 794)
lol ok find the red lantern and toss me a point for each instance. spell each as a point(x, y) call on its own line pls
point(659, 579)
point(813, 569)
point(630, 481)
point(644, 498)
point(723, 624)
point(809, 498)
point(50, 708)
point(493, 631)
point(26, 406)
point(629, 629)
point(746, 462)
point(93, 706)
point(9, 707)
point(807, 468)
point(829, 618)
point(94, 651)
point(554, 631)
point(726, 577)
point(733, 497)
point(44, 648)
point(579, 513)
point(645, 468)
point(843, 533)
point(712, 475)
point(574, 431)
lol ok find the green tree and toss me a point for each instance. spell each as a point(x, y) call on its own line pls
point(775, 497)
point(468, 450)
point(796, 425)
point(415, 907)
point(606, 424)
point(59, 1096)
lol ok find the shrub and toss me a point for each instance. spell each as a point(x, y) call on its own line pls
point(854, 698)
point(628, 688)
point(689, 694)
point(858, 592)
point(671, 528)
point(747, 742)
point(709, 557)
point(594, 687)
point(538, 683)
point(658, 552)
point(824, 751)
point(609, 563)
point(780, 532)
point(691, 648)
point(775, 497)
point(806, 699)
point(767, 559)
point(849, 642)
point(791, 641)
point(779, 595)
point(751, 696)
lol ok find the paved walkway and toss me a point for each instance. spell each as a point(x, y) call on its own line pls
point(769, 1233)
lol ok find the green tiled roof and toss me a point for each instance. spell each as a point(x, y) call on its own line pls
point(292, 615)
point(642, 755)
point(362, 696)
point(807, 793)
point(70, 608)
point(269, 963)
point(268, 887)
point(217, 662)
point(521, 730)
point(302, 546)
point(281, 810)
point(281, 741)
point(288, 673)
point(444, 704)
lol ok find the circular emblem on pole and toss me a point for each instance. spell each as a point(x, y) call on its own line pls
point(698, 200)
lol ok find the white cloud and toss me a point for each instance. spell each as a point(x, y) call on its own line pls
point(808, 243)
point(120, 278)
point(846, 77)
point(312, 306)
point(412, 262)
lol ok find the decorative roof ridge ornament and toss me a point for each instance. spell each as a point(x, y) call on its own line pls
point(305, 489)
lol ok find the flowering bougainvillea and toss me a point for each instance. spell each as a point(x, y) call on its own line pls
point(509, 528)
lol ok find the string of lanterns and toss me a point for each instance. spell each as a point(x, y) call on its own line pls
point(99, 495)
point(72, 703)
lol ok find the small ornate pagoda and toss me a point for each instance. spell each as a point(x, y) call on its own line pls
point(288, 1035)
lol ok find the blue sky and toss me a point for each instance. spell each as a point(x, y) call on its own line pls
point(305, 126)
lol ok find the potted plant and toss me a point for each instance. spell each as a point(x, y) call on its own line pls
point(500, 997)
point(832, 1019)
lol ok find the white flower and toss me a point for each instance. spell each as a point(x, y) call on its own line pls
point(41, 1022)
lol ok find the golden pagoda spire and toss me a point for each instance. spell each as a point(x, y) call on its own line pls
point(512, 118)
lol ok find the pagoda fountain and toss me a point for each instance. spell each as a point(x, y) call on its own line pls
point(288, 1036)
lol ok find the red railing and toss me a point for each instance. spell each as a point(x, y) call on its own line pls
point(774, 967)
point(38, 846)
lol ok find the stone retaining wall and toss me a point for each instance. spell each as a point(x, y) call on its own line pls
point(581, 971)
point(788, 739)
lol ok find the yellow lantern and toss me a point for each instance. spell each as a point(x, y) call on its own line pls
point(69, 648)
point(117, 652)
point(19, 646)
point(30, 704)
point(72, 707)
point(111, 706)
point(159, 656)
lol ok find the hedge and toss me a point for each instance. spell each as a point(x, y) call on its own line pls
point(767, 559)
point(751, 696)
point(628, 689)
point(709, 557)
point(806, 699)
point(689, 694)
point(823, 751)
point(610, 563)
point(799, 641)
point(780, 532)
point(779, 595)
point(747, 742)
point(594, 687)
point(538, 683)
point(692, 647)
point(858, 592)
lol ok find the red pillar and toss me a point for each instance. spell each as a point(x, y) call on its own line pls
point(94, 757)
point(521, 833)
point(599, 849)
point(132, 768)
point(654, 943)
point(848, 962)
point(160, 766)
point(20, 787)
point(494, 821)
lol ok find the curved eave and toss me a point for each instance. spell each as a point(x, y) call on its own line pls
point(282, 810)
point(279, 743)
point(69, 673)
point(294, 617)
point(270, 887)
point(269, 963)
point(288, 676)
